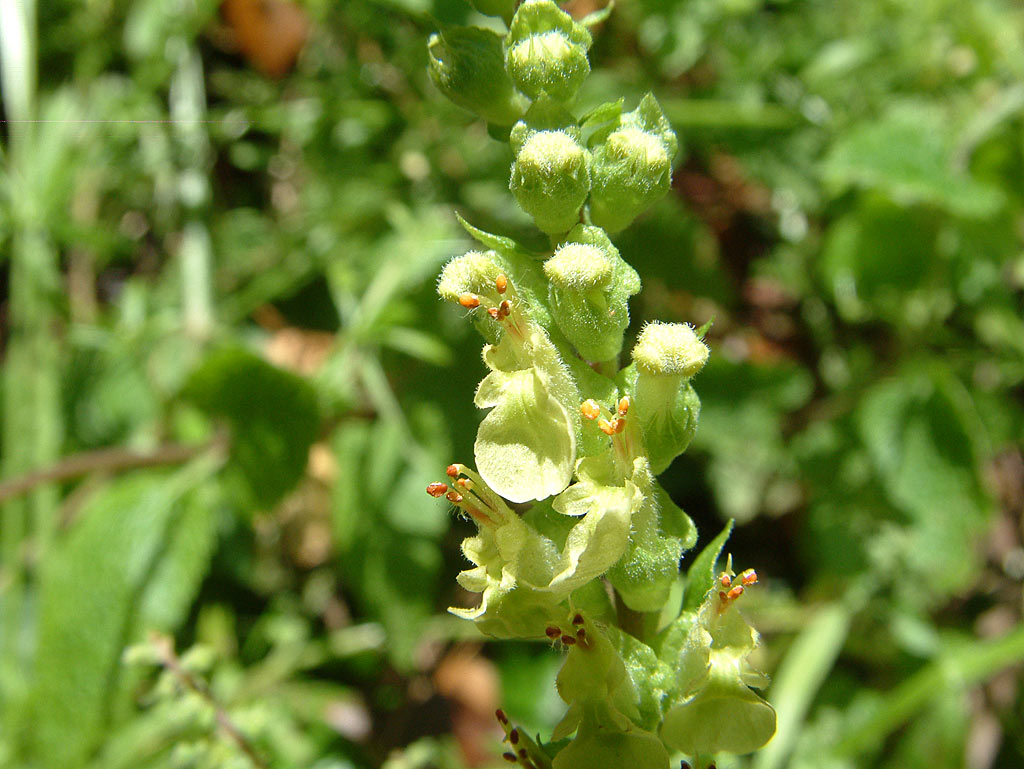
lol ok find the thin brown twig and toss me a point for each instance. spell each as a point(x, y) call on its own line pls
point(116, 459)
point(164, 646)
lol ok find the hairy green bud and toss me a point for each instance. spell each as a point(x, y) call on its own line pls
point(666, 406)
point(589, 292)
point(546, 51)
point(466, 65)
point(550, 180)
point(669, 349)
point(631, 165)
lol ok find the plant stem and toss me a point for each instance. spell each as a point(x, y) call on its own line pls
point(188, 111)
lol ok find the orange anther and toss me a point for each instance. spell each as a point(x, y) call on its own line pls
point(465, 483)
point(452, 471)
point(606, 427)
point(469, 301)
point(501, 283)
point(590, 409)
point(436, 489)
point(735, 593)
point(493, 312)
point(454, 497)
point(726, 580)
point(618, 425)
point(623, 405)
point(504, 309)
point(749, 577)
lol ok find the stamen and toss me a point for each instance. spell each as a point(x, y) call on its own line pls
point(493, 312)
point(523, 754)
point(606, 427)
point(436, 489)
point(749, 577)
point(590, 409)
point(510, 757)
point(465, 483)
point(452, 471)
point(513, 736)
point(501, 283)
point(500, 715)
point(552, 632)
point(469, 301)
point(618, 425)
point(568, 640)
point(735, 593)
point(454, 497)
point(581, 634)
point(726, 580)
point(578, 619)
point(504, 309)
point(623, 405)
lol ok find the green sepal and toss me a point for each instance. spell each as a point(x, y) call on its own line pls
point(550, 178)
point(590, 286)
point(631, 165)
point(674, 521)
point(594, 18)
point(644, 576)
point(546, 51)
point(467, 66)
point(651, 678)
point(502, 8)
point(700, 577)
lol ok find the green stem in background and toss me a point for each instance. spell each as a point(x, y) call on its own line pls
point(32, 425)
point(953, 670)
point(800, 676)
point(188, 111)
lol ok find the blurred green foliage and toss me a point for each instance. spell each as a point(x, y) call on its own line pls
point(227, 379)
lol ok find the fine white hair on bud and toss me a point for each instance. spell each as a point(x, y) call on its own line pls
point(473, 274)
point(669, 349)
point(546, 51)
point(579, 267)
point(551, 180)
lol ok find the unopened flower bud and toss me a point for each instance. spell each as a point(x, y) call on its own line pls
point(466, 65)
point(632, 166)
point(546, 51)
point(669, 349)
point(667, 407)
point(589, 290)
point(550, 180)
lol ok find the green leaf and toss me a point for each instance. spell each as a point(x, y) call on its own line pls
point(905, 154)
point(273, 416)
point(701, 576)
point(132, 563)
